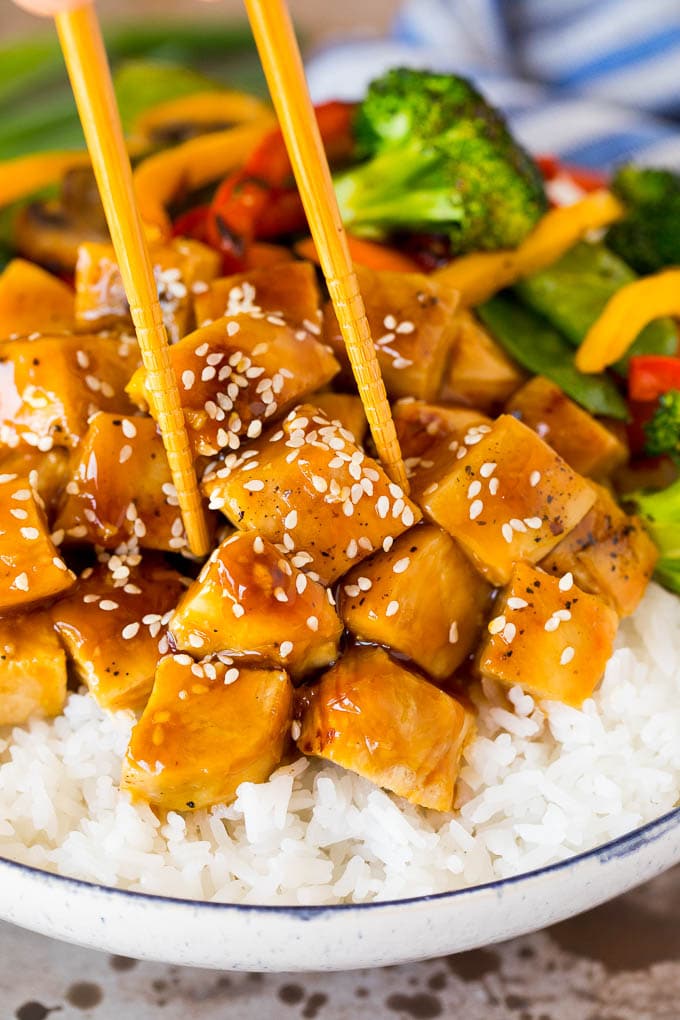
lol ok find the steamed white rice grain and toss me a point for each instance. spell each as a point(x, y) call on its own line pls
point(540, 782)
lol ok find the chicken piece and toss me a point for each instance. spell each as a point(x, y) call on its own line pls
point(504, 495)
point(31, 568)
point(608, 553)
point(47, 473)
point(584, 442)
point(33, 301)
point(548, 636)
point(345, 408)
point(113, 624)
point(32, 669)
point(287, 291)
point(207, 728)
point(51, 386)
point(480, 373)
point(236, 373)
point(423, 429)
point(179, 267)
point(308, 486)
point(422, 598)
point(251, 603)
point(121, 488)
point(374, 716)
point(413, 328)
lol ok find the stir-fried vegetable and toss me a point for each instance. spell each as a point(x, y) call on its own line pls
point(651, 375)
point(537, 346)
point(662, 431)
point(648, 237)
point(573, 293)
point(438, 158)
point(661, 513)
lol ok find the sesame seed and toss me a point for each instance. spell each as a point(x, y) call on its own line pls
point(401, 565)
point(382, 507)
point(232, 328)
point(125, 453)
point(566, 582)
point(108, 605)
point(567, 655)
point(496, 625)
point(231, 675)
point(254, 485)
point(493, 486)
point(280, 595)
point(534, 479)
point(476, 508)
point(29, 533)
point(487, 469)
point(130, 631)
point(129, 430)
point(509, 632)
point(59, 563)
point(182, 659)
point(21, 495)
point(195, 640)
point(295, 729)
point(88, 599)
point(188, 379)
point(313, 622)
point(474, 489)
point(254, 429)
point(290, 520)
point(562, 614)
point(21, 581)
point(258, 545)
point(533, 522)
point(453, 633)
point(507, 533)
point(392, 608)
point(552, 624)
point(286, 649)
point(353, 590)
point(407, 518)
point(19, 513)
point(364, 583)
point(517, 603)
point(388, 542)
point(237, 609)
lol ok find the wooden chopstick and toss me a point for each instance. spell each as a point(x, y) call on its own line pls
point(282, 65)
point(88, 69)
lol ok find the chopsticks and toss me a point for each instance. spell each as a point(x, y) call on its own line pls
point(88, 69)
point(282, 66)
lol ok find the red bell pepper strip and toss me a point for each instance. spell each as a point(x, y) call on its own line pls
point(651, 375)
point(587, 180)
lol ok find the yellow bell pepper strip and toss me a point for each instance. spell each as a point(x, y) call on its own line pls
point(209, 111)
point(478, 276)
point(163, 177)
point(625, 315)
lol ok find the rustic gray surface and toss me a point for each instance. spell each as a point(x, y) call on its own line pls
point(620, 962)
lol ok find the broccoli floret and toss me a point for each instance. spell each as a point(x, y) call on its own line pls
point(648, 237)
point(438, 159)
point(662, 431)
point(660, 512)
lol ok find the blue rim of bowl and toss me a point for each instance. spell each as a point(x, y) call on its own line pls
point(620, 847)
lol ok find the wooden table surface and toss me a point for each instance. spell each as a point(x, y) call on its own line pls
point(619, 962)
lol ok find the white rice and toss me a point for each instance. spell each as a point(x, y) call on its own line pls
point(540, 783)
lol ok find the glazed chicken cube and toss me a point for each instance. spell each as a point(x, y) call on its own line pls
point(238, 372)
point(179, 267)
point(121, 488)
point(421, 427)
point(50, 387)
point(307, 486)
point(113, 624)
point(422, 598)
point(584, 442)
point(31, 568)
point(548, 636)
point(250, 602)
point(287, 291)
point(413, 328)
point(207, 728)
point(608, 553)
point(504, 495)
point(345, 408)
point(374, 716)
point(479, 374)
point(32, 669)
point(48, 473)
point(33, 301)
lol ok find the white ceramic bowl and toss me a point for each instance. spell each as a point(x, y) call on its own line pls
point(237, 937)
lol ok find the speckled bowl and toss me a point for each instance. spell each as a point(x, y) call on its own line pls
point(237, 937)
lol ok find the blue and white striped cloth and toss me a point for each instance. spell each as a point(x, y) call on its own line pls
point(595, 82)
